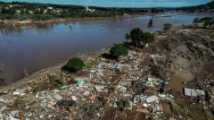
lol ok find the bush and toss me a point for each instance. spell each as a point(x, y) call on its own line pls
point(196, 20)
point(207, 21)
point(74, 65)
point(148, 37)
point(167, 26)
point(118, 50)
point(139, 38)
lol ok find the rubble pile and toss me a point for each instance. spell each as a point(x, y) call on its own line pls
point(146, 84)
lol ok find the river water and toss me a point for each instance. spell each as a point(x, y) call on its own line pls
point(122, 3)
point(32, 48)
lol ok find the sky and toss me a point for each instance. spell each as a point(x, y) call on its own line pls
point(122, 3)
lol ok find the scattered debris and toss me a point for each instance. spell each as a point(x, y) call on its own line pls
point(193, 92)
point(137, 86)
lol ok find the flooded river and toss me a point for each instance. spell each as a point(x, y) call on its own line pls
point(32, 48)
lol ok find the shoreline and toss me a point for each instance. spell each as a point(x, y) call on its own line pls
point(30, 22)
point(39, 75)
point(33, 23)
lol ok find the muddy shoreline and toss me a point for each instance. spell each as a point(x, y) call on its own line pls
point(39, 75)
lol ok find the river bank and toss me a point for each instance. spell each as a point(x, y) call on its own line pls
point(28, 14)
point(23, 23)
point(180, 58)
point(15, 23)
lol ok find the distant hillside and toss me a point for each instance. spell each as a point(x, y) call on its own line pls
point(207, 6)
point(211, 4)
point(39, 11)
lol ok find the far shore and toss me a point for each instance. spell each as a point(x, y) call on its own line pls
point(15, 17)
point(31, 22)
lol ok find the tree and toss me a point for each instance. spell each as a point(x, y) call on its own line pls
point(74, 65)
point(138, 38)
point(118, 50)
point(136, 35)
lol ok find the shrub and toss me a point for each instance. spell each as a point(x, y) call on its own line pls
point(148, 37)
point(74, 65)
point(211, 35)
point(207, 21)
point(139, 38)
point(196, 20)
point(167, 26)
point(118, 50)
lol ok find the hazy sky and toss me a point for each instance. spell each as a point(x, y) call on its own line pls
point(122, 3)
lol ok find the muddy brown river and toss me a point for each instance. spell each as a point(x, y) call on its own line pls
point(30, 49)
